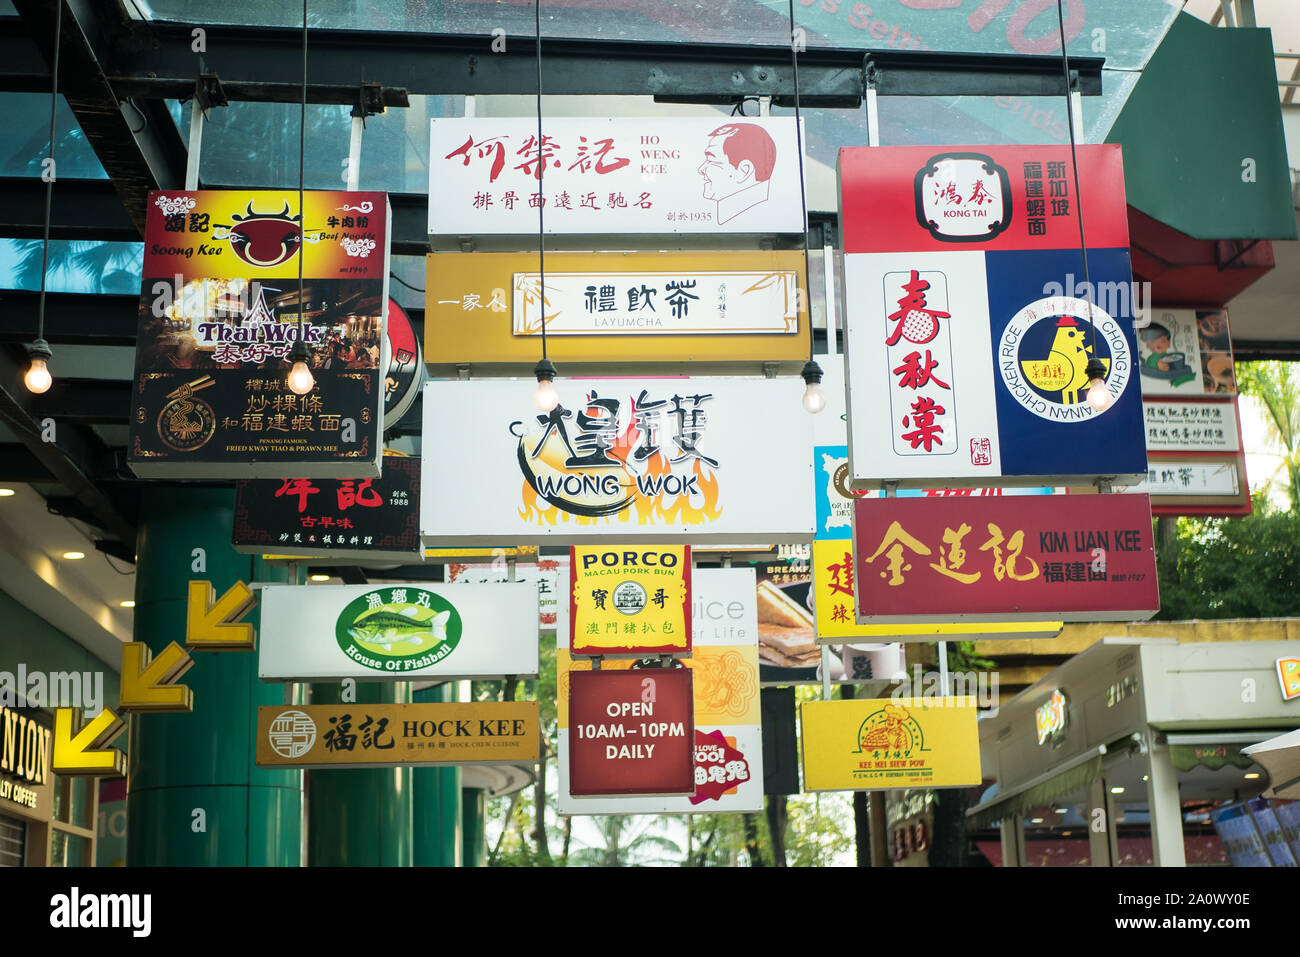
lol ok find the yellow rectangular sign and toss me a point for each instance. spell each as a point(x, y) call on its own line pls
point(881, 743)
point(620, 307)
point(378, 735)
point(835, 595)
point(630, 600)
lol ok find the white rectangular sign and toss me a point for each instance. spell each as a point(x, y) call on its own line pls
point(728, 723)
point(1191, 426)
point(703, 175)
point(658, 303)
point(396, 632)
point(547, 573)
point(700, 460)
point(1190, 478)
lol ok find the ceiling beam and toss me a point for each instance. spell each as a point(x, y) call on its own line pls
point(84, 319)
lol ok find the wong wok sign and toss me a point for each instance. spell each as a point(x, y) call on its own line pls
point(620, 460)
point(1005, 559)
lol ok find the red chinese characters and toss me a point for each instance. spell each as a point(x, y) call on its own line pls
point(921, 394)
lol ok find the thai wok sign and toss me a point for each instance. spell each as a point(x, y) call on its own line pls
point(221, 311)
point(621, 460)
point(614, 175)
point(398, 632)
point(1005, 559)
point(968, 334)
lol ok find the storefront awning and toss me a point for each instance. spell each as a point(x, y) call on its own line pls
point(1280, 757)
point(1078, 772)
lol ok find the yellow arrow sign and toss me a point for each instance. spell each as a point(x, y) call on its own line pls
point(212, 624)
point(83, 751)
point(149, 685)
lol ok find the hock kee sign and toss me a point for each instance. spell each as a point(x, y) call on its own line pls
point(1005, 559)
point(220, 312)
point(487, 176)
point(967, 335)
point(620, 460)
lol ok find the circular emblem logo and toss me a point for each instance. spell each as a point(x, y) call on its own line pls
point(398, 629)
point(186, 422)
point(292, 734)
point(1044, 351)
point(629, 598)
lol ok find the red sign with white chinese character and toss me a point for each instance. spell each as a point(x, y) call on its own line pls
point(1004, 559)
point(631, 732)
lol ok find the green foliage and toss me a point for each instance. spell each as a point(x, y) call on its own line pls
point(1277, 387)
point(821, 830)
point(628, 841)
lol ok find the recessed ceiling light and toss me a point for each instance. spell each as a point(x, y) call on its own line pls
point(1035, 820)
point(1251, 775)
point(1146, 777)
point(320, 578)
point(1061, 810)
point(1117, 790)
point(127, 604)
point(6, 492)
point(74, 556)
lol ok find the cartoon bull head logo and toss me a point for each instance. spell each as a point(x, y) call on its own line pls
point(266, 239)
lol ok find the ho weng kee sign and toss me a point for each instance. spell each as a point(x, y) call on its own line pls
point(220, 312)
point(1004, 559)
point(618, 460)
point(968, 326)
point(714, 175)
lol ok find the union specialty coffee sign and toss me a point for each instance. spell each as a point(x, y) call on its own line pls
point(630, 602)
point(704, 175)
point(619, 460)
point(333, 518)
point(220, 312)
point(879, 743)
point(397, 632)
point(968, 331)
point(371, 735)
point(1005, 559)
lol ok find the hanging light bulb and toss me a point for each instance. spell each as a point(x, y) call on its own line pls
point(545, 398)
point(301, 381)
point(38, 378)
point(1099, 396)
point(814, 399)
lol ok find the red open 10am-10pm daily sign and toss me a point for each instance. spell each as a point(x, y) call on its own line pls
point(981, 559)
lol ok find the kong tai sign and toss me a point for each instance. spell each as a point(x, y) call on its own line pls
point(1005, 559)
point(701, 175)
point(631, 732)
point(618, 460)
point(371, 735)
point(885, 743)
point(220, 313)
point(630, 602)
point(398, 632)
point(968, 338)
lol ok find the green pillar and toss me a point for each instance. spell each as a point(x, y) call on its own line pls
point(359, 817)
point(194, 794)
point(438, 830)
point(474, 811)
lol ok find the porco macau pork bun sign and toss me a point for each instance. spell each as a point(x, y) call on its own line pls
point(711, 460)
point(630, 601)
point(387, 632)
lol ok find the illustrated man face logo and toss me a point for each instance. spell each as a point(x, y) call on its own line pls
point(737, 156)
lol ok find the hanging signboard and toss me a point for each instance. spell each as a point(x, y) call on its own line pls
point(996, 559)
point(1186, 352)
point(333, 519)
point(1191, 426)
point(404, 375)
point(219, 314)
point(626, 175)
point(1209, 484)
point(673, 307)
point(967, 333)
point(630, 602)
point(883, 743)
point(470, 554)
point(619, 460)
point(398, 632)
point(388, 735)
point(728, 739)
point(547, 573)
point(631, 732)
point(26, 746)
point(834, 601)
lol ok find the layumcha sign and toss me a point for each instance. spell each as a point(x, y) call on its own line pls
point(377, 735)
point(220, 313)
point(630, 602)
point(398, 632)
point(879, 743)
point(485, 309)
point(968, 332)
point(618, 460)
point(333, 519)
point(704, 175)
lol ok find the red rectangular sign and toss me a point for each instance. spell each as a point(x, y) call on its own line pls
point(1005, 559)
point(631, 732)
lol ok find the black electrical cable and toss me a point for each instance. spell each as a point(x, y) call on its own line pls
point(541, 169)
point(1074, 163)
point(50, 174)
point(302, 153)
point(812, 372)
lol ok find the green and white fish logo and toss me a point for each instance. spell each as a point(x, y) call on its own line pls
point(398, 629)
